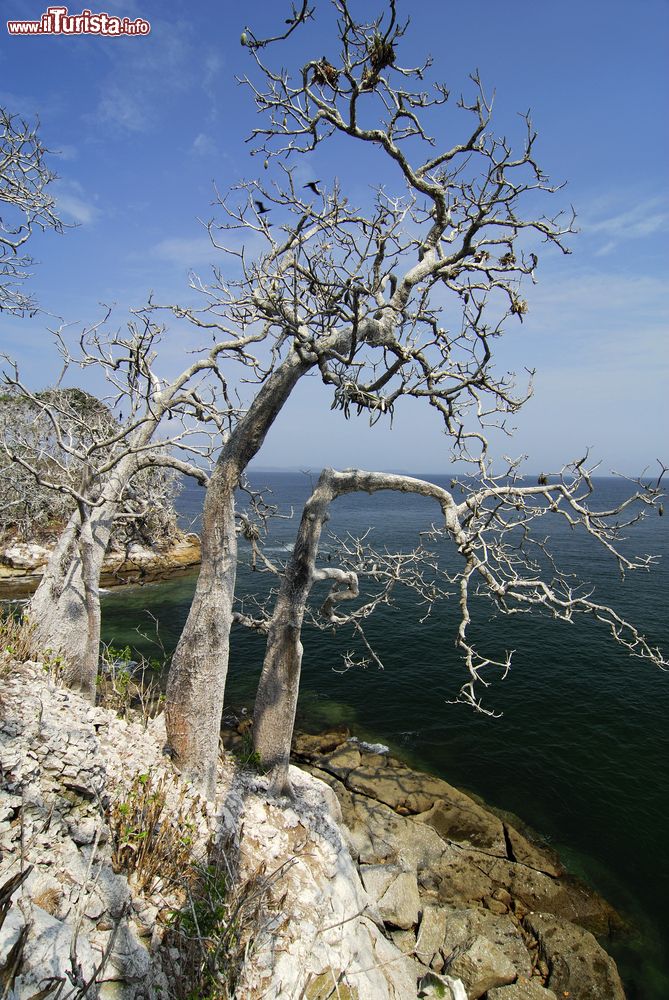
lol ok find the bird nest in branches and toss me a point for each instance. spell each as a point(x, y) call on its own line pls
point(350, 394)
point(251, 532)
point(325, 73)
point(381, 54)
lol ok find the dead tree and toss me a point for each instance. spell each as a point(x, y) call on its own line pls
point(492, 531)
point(94, 458)
point(356, 295)
point(27, 206)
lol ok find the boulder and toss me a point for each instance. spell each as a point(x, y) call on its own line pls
point(10, 932)
point(376, 833)
point(25, 555)
point(445, 987)
point(523, 851)
point(308, 746)
point(377, 878)
point(400, 903)
point(341, 761)
point(461, 820)
point(463, 925)
point(395, 892)
point(566, 897)
point(480, 964)
point(130, 961)
point(578, 965)
point(47, 951)
point(404, 940)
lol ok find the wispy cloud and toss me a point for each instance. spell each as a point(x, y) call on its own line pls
point(74, 204)
point(637, 220)
point(203, 145)
point(123, 108)
point(29, 106)
point(67, 153)
point(143, 76)
point(212, 66)
point(603, 321)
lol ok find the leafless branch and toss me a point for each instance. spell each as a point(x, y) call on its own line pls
point(27, 204)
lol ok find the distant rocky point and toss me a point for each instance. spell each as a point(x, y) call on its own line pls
point(22, 563)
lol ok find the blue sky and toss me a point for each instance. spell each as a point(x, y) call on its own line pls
point(144, 126)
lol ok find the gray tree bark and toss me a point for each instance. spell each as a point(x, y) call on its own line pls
point(65, 608)
point(196, 684)
point(278, 689)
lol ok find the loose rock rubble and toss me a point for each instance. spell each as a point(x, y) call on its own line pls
point(60, 762)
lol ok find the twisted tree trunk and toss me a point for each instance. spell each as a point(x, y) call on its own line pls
point(65, 608)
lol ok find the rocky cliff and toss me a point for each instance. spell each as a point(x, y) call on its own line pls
point(375, 883)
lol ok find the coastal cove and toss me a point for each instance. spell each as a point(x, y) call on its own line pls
point(580, 752)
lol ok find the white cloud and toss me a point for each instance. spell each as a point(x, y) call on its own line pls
point(145, 74)
point(74, 204)
point(203, 145)
point(637, 220)
point(213, 64)
point(67, 153)
point(123, 107)
point(185, 251)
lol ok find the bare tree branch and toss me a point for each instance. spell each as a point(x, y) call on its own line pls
point(27, 205)
point(497, 555)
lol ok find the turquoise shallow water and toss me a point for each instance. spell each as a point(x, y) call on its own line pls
point(581, 751)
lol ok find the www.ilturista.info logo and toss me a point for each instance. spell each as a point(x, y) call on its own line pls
point(57, 21)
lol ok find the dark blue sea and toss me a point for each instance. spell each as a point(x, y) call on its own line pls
point(581, 750)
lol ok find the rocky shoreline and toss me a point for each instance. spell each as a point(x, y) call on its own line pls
point(459, 889)
point(378, 882)
point(22, 564)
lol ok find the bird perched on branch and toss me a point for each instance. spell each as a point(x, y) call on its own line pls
point(314, 187)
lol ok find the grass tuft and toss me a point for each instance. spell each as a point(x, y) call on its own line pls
point(150, 843)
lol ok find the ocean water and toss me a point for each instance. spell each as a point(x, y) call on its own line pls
point(581, 750)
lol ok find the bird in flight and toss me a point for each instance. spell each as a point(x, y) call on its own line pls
point(261, 209)
point(314, 187)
